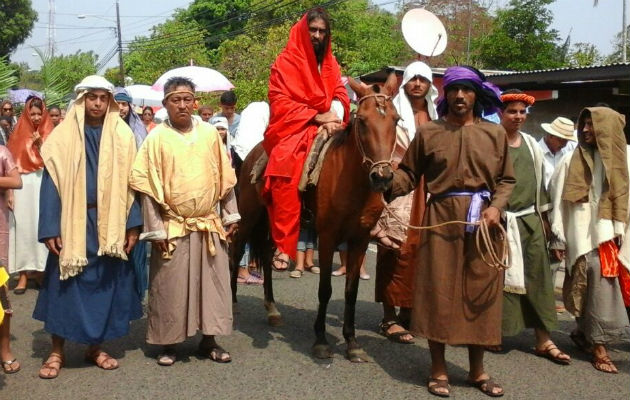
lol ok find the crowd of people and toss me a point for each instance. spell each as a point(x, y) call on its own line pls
point(83, 191)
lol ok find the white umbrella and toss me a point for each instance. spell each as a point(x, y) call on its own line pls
point(144, 95)
point(205, 79)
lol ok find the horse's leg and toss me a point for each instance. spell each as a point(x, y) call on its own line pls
point(356, 254)
point(274, 318)
point(321, 348)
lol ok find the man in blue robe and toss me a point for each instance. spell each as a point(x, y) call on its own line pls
point(90, 222)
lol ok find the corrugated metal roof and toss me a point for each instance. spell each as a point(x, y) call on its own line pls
point(539, 71)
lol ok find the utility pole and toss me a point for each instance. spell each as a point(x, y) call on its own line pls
point(624, 33)
point(120, 48)
point(51, 28)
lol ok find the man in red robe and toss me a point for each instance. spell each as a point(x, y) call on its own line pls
point(306, 96)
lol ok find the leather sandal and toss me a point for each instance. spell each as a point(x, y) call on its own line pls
point(53, 358)
point(599, 362)
point(99, 357)
point(546, 353)
point(487, 386)
point(433, 384)
point(396, 337)
point(11, 366)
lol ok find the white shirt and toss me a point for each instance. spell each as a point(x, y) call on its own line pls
point(552, 160)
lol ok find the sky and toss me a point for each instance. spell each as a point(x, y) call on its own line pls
point(585, 23)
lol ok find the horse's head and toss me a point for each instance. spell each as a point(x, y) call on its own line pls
point(374, 129)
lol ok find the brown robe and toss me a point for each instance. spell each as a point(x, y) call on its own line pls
point(457, 297)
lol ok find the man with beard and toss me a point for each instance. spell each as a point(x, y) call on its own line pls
point(306, 96)
point(468, 174)
point(415, 103)
point(590, 218)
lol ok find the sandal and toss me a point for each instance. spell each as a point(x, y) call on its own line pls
point(599, 363)
point(167, 357)
point(312, 269)
point(580, 341)
point(278, 259)
point(250, 280)
point(396, 337)
point(339, 272)
point(433, 384)
point(546, 353)
point(9, 368)
point(487, 387)
point(216, 353)
point(296, 273)
point(100, 358)
point(53, 358)
point(494, 349)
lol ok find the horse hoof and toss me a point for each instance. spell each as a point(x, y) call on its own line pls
point(322, 351)
point(357, 356)
point(275, 320)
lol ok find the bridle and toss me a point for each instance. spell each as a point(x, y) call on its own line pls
point(371, 164)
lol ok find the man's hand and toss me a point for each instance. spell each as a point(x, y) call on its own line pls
point(54, 244)
point(330, 128)
point(330, 116)
point(492, 215)
point(161, 245)
point(131, 238)
point(231, 231)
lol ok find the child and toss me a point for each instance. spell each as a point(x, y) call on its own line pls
point(9, 179)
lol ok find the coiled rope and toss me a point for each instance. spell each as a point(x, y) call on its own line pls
point(483, 239)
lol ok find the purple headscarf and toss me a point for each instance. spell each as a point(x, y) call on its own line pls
point(488, 95)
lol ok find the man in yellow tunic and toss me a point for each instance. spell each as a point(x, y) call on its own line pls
point(185, 175)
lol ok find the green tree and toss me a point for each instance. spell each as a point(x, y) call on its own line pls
point(218, 17)
point(72, 68)
point(521, 38)
point(616, 55)
point(583, 55)
point(175, 43)
point(17, 18)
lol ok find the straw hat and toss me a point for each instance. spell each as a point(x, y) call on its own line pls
point(560, 127)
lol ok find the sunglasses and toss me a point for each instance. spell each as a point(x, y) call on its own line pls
point(7, 109)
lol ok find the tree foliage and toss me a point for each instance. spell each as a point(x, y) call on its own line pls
point(17, 19)
point(583, 55)
point(71, 69)
point(8, 77)
point(461, 18)
point(521, 38)
point(617, 54)
point(175, 43)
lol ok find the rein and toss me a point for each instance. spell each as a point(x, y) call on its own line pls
point(483, 239)
point(365, 159)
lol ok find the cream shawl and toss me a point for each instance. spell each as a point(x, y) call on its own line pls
point(64, 157)
point(186, 174)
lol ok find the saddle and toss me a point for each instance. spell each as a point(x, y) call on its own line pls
point(312, 164)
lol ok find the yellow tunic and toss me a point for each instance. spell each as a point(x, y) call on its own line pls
point(186, 174)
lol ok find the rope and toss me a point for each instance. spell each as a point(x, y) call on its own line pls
point(483, 240)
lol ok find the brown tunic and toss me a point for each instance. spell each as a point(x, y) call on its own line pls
point(457, 297)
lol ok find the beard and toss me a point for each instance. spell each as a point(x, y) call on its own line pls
point(320, 51)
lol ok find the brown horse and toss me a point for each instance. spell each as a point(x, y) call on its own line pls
point(346, 205)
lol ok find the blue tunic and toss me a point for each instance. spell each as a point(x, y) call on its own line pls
point(97, 304)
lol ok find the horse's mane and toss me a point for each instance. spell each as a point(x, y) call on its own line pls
point(340, 137)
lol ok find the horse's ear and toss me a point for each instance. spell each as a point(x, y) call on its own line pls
point(391, 85)
point(358, 87)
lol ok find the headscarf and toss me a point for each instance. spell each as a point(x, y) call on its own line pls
point(401, 101)
point(22, 140)
point(611, 143)
point(488, 96)
point(65, 160)
point(132, 119)
point(251, 130)
point(299, 89)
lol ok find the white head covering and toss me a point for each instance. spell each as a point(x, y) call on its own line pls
point(94, 82)
point(219, 122)
point(402, 104)
point(250, 132)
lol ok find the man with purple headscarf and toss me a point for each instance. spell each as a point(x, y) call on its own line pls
point(464, 161)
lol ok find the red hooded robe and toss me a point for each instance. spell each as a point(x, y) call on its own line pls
point(297, 93)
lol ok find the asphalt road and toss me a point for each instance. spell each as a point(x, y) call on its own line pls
point(275, 363)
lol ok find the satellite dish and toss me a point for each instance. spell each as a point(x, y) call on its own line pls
point(424, 32)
